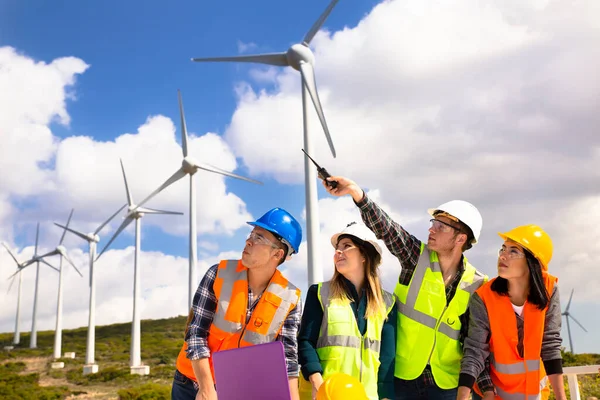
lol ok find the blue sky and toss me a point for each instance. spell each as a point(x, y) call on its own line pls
point(139, 55)
point(425, 101)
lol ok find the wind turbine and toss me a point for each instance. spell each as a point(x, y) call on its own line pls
point(189, 166)
point(301, 58)
point(136, 213)
point(568, 315)
point(92, 238)
point(62, 252)
point(33, 338)
point(20, 267)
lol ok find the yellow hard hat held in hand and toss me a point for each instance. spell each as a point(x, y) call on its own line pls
point(341, 387)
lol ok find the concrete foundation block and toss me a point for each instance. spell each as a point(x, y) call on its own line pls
point(90, 369)
point(141, 370)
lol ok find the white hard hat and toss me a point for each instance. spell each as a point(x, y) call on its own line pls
point(466, 212)
point(359, 231)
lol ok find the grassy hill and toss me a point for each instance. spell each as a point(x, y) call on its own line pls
point(26, 374)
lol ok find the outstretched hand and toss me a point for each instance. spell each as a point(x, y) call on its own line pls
point(344, 186)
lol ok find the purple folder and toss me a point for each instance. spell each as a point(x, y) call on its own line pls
point(253, 372)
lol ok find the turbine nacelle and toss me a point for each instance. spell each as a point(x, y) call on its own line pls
point(134, 212)
point(189, 165)
point(298, 54)
point(60, 249)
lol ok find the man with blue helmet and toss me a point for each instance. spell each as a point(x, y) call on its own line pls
point(242, 303)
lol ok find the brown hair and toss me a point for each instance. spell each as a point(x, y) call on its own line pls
point(374, 292)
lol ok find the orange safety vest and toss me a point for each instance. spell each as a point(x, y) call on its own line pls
point(229, 329)
point(516, 377)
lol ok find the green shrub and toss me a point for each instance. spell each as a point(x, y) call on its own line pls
point(16, 387)
point(12, 367)
point(114, 375)
point(149, 391)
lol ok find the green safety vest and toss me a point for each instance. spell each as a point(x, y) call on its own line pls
point(428, 329)
point(341, 347)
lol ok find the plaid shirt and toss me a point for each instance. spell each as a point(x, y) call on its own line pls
point(407, 249)
point(203, 312)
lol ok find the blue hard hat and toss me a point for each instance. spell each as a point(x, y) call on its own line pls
point(281, 223)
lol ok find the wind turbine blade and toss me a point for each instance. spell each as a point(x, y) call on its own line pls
point(279, 59)
point(123, 226)
point(319, 23)
point(110, 219)
point(81, 235)
point(577, 322)
point(184, 136)
point(29, 262)
point(570, 298)
point(180, 173)
point(308, 79)
point(155, 211)
point(48, 264)
point(129, 199)
point(13, 275)
point(73, 265)
point(65, 231)
point(210, 168)
point(38, 258)
point(37, 234)
point(11, 253)
point(12, 280)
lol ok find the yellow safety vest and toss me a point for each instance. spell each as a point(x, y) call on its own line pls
point(341, 347)
point(428, 330)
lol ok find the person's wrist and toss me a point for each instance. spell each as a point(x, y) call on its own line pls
point(357, 194)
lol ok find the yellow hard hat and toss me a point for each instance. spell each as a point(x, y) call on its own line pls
point(534, 239)
point(341, 387)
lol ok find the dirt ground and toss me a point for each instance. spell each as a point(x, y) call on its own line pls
point(38, 364)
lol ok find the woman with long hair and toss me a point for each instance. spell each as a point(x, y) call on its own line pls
point(349, 323)
point(515, 322)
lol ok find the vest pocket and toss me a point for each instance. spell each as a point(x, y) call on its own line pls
point(331, 358)
point(215, 340)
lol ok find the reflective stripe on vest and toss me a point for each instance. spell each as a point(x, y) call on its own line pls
point(428, 327)
point(515, 396)
point(229, 275)
point(516, 377)
point(229, 328)
point(515, 368)
point(341, 347)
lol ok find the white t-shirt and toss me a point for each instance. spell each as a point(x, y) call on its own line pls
point(518, 309)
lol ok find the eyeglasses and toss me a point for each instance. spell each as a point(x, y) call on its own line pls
point(441, 226)
point(510, 254)
point(344, 248)
point(257, 238)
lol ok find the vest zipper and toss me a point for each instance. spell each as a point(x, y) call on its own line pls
point(242, 334)
point(362, 344)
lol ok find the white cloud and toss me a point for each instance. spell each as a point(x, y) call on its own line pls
point(33, 95)
point(246, 47)
point(149, 156)
point(44, 177)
